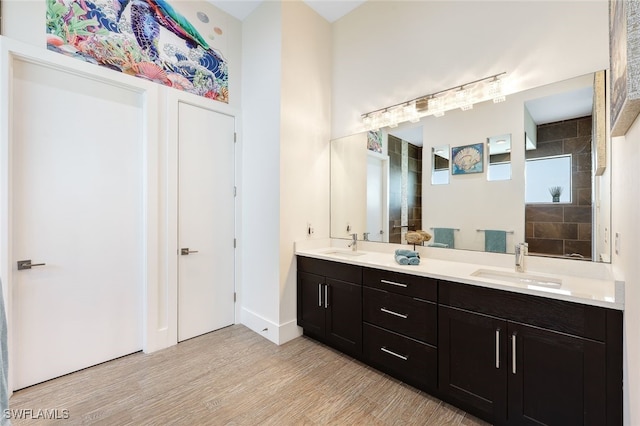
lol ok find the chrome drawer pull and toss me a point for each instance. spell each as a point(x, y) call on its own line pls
point(386, 311)
point(393, 283)
point(497, 348)
point(326, 296)
point(320, 295)
point(513, 353)
point(404, 358)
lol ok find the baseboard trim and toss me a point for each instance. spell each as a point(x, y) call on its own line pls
point(277, 333)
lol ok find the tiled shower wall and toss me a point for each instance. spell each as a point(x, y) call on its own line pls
point(413, 184)
point(564, 229)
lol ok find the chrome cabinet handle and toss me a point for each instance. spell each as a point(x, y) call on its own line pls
point(26, 264)
point(402, 357)
point(497, 348)
point(513, 353)
point(326, 296)
point(186, 252)
point(386, 311)
point(320, 295)
point(393, 283)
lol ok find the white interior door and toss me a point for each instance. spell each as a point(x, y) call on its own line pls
point(76, 206)
point(205, 221)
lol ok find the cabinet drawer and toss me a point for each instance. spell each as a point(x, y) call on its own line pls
point(326, 268)
point(402, 314)
point(409, 360)
point(405, 284)
point(558, 315)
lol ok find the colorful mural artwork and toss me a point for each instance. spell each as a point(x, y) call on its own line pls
point(374, 141)
point(147, 38)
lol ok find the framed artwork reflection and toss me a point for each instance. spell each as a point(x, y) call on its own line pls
point(467, 159)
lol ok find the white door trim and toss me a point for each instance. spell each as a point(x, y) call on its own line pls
point(169, 160)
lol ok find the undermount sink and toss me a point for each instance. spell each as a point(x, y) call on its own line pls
point(347, 253)
point(518, 278)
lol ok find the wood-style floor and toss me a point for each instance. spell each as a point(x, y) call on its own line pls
point(235, 377)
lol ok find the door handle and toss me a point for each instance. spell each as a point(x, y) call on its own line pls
point(26, 264)
point(186, 252)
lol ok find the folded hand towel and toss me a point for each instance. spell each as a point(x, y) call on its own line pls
point(408, 253)
point(403, 260)
point(439, 245)
point(414, 261)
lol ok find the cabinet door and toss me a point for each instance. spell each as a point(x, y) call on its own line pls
point(557, 379)
point(472, 361)
point(311, 310)
point(344, 316)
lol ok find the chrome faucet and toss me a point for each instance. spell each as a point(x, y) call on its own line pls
point(522, 249)
point(354, 243)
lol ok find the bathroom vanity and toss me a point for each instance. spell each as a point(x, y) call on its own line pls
point(510, 353)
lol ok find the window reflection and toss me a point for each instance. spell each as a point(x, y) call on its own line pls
point(499, 158)
point(440, 161)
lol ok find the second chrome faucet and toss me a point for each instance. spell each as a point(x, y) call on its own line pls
point(522, 250)
point(354, 242)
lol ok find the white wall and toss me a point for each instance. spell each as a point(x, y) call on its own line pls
point(625, 214)
point(286, 113)
point(304, 144)
point(260, 185)
point(386, 52)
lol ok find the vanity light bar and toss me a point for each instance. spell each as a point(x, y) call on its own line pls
point(463, 96)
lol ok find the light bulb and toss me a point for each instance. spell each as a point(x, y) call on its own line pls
point(495, 90)
point(463, 98)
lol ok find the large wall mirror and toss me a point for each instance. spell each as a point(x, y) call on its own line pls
point(527, 169)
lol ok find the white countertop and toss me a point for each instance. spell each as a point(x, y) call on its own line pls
point(589, 284)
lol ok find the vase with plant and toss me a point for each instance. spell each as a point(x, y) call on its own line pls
point(555, 192)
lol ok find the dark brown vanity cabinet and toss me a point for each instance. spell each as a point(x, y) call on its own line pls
point(330, 303)
point(506, 357)
point(517, 359)
point(400, 326)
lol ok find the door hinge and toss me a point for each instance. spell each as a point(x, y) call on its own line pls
point(234, 243)
point(234, 296)
point(235, 137)
point(235, 191)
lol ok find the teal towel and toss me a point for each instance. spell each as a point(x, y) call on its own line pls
point(414, 261)
point(408, 253)
point(495, 241)
point(438, 245)
point(443, 236)
point(403, 260)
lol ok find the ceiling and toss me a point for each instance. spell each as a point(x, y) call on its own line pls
point(331, 10)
